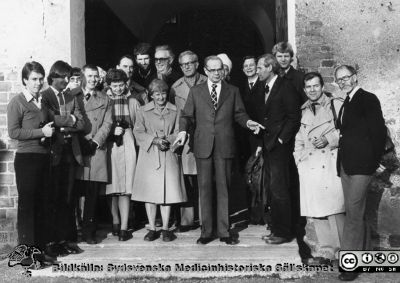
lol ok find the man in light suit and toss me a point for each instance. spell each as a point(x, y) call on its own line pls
point(63, 109)
point(213, 107)
point(98, 124)
point(361, 145)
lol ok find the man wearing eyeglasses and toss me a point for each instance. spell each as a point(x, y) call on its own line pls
point(163, 59)
point(361, 145)
point(189, 63)
point(212, 108)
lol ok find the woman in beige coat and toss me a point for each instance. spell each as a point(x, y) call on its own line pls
point(121, 151)
point(321, 194)
point(159, 176)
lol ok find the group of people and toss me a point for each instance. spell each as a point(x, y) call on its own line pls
point(153, 136)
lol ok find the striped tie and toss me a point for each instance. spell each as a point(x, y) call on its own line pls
point(214, 95)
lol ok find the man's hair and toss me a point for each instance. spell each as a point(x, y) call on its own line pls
point(126, 56)
point(248, 57)
point(283, 47)
point(167, 48)
point(190, 53)
point(75, 71)
point(310, 76)
point(270, 60)
point(142, 48)
point(116, 75)
point(349, 68)
point(157, 84)
point(90, 67)
point(60, 69)
point(30, 67)
point(212, 57)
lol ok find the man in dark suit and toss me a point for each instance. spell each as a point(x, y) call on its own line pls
point(283, 52)
point(361, 145)
point(281, 118)
point(212, 107)
point(63, 109)
point(145, 71)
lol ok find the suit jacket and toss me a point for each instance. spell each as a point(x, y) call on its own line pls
point(98, 123)
point(362, 135)
point(296, 78)
point(214, 132)
point(51, 106)
point(280, 114)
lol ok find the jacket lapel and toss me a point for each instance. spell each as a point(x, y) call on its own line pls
point(94, 102)
point(273, 91)
point(223, 94)
point(206, 95)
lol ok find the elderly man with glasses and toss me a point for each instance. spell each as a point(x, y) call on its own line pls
point(179, 91)
point(361, 145)
point(163, 59)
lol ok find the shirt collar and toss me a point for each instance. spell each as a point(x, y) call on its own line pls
point(29, 96)
point(253, 80)
point(272, 81)
point(210, 83)
point(56, 92)
point(351, 94)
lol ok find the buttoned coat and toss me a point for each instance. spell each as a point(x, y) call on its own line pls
point(159, 177)
point(98, 124)
point(214, 132)
point(321, 192)
point(121, 159)
point(51, 106)
point(180, 90)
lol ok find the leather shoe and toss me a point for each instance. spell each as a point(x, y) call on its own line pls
point(183, 228)
point(151, 235)
point(115, 229)
point(229, 240)
point(124, 235)
point(168, 236)
point(347, 276)
point(90, 240)
point(204, 240)
point(72, 248)
point(275, 240)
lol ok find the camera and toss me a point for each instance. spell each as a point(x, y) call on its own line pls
point(123, 124)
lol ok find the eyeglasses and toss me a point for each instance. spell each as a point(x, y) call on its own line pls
point(186, 65)
point(343, 79)
point(161, 59)
point(214, 70)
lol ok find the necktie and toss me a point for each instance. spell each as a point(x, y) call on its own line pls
point(266, 92)
point(314, 106)
point(61, 99)
point(214, 95)
point(251, 85)
point(342, 109)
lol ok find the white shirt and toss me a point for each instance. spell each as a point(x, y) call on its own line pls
point(217, 89)
point(253, 81)
point(29, 97)
point(270, 85)
point(353, 92)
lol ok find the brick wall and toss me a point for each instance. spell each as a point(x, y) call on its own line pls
point(9, 86)
point(363, 34)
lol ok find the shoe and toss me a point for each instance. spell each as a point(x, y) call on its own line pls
point(229, 240)
point(264, 237)
point(151, 235)
point(347, 276)
point(168, 236)
point(51, 250)
point(275, 240)
point(184, 228)
point(124, 235)
point(90, 239)
point(204, 240)
point(72, 248)
point(115, 229)
point(313, 261)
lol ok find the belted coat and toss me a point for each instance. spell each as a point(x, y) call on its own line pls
point(321, 192)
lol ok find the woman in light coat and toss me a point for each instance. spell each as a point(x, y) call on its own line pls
point(121, 151)
point(321, 194)
point(159, 177)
